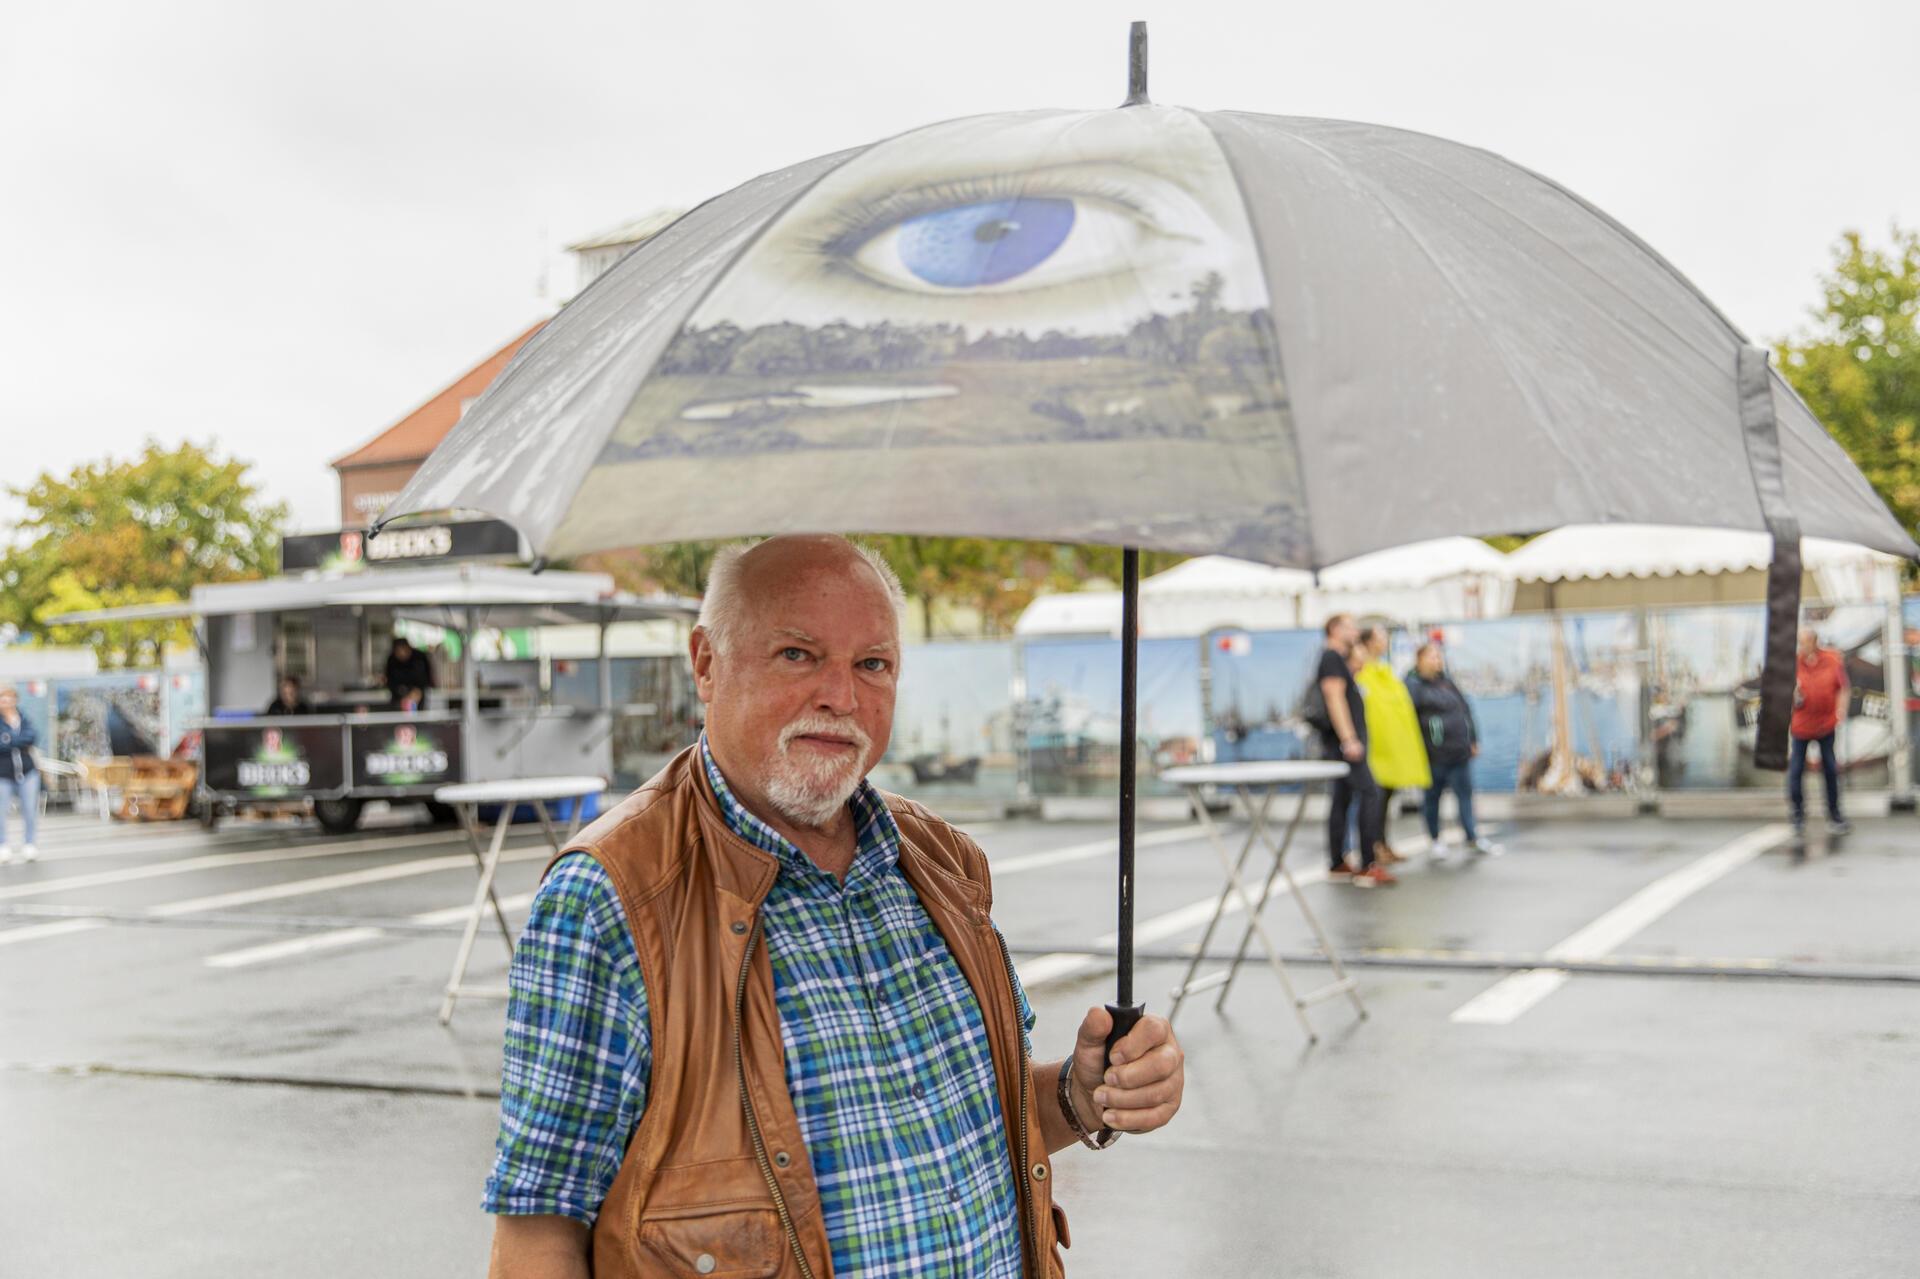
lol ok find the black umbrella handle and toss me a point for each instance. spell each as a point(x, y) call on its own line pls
point(1125, 1012)
point(1125, 1018)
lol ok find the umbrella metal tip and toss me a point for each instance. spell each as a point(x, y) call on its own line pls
point(1137, 66)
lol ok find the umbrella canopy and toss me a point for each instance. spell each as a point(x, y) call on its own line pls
point(1288, 340)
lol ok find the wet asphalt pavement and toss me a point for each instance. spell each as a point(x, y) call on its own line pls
point(219, 1056)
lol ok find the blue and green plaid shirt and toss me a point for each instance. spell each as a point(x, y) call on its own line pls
point(886, 1057)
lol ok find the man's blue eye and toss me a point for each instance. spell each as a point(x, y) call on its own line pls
point(794, 654)
point(984, 243)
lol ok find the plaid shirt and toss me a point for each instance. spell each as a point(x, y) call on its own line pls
point(885, 1045)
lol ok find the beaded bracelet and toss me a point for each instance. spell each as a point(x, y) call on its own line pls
point(1107, 1135)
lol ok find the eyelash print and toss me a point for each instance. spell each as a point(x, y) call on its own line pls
point(851, 226)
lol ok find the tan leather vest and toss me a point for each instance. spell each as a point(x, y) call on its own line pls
point(716, 1180)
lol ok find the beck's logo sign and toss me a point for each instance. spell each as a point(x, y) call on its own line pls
point(410, 544)
point(407, 757)
point(276, 767)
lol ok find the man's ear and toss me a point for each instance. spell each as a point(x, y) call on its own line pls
point(700, 650)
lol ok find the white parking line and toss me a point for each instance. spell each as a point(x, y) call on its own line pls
point(280, 892)
point(340, 938)
point(60, 928)
point(1511, 996)
point(1064, 964)
point(212, 861)
point(1083, 852)
point(329, 883)
point(337, 939)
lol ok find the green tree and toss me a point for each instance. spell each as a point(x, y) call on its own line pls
point(141, 531)
point(1858, 368)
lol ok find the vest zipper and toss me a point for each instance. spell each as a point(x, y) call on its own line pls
point(1026, 1081)
point(753, 1121)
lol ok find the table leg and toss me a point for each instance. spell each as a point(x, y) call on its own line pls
point(471, 827)
point(1341, 983)
point(1257, 820)
point(1180, 992)
point(488, 865)
point(1256, 830)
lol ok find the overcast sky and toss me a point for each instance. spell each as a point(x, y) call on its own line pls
point(282, 227)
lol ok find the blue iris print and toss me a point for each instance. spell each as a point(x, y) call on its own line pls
point(985, 243)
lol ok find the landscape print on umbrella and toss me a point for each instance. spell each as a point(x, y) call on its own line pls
point(1004, 301)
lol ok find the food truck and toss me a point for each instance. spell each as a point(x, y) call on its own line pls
point(491, 718)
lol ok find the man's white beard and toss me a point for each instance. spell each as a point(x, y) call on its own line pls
point(811, 790)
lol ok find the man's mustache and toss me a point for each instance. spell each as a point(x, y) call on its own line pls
point(824, 726)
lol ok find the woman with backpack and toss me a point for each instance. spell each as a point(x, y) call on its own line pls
point(1452, 740)
point(19, 775)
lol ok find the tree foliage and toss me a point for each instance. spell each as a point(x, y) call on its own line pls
point(127, 532)
point(1859, 367)
point(956, 586)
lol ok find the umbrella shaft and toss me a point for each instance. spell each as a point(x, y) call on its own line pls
point(1129, 703)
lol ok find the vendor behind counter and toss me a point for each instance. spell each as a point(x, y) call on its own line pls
point(408, 670)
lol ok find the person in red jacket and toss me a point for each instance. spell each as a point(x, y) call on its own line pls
point(1819, 699)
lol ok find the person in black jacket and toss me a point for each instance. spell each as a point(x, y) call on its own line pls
point(19, 775)
point(1342, 728)
point(1452, 739)
point(289, 700)
point(407, 669)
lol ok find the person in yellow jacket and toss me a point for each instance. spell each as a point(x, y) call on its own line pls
point(1396, 753)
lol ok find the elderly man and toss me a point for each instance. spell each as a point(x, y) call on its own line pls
point(761, 1020)
point(1819, 703)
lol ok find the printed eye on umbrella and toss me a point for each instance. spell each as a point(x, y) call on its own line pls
point(1158, 328)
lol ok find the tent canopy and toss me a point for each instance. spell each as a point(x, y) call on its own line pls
point(1659, 566)
point(507, 596)
point(1445, 577)
point(1591, 551)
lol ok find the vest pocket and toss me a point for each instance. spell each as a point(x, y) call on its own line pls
point(730, 1244)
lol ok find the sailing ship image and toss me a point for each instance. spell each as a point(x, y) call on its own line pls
point(1699, 657)
point(944, 765)
point(1560, 768)
point(1072, 742)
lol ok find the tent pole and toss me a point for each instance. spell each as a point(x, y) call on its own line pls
point(469, 700)
point(1125, 1012)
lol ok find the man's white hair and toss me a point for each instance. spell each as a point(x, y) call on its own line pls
point(723, 603)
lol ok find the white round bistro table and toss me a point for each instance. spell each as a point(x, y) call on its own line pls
point(1254, 783)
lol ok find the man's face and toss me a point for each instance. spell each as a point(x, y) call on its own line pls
point(1809, 643)
point(800, 705)
point(1343, 634)
point(1429, 662)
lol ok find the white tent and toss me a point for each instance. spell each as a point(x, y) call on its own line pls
point(1622, 565)
point(1450, 577)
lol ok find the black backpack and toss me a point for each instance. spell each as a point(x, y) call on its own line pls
point(1313, 709)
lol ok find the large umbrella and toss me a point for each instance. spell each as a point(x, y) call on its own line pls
point(1284, 339)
